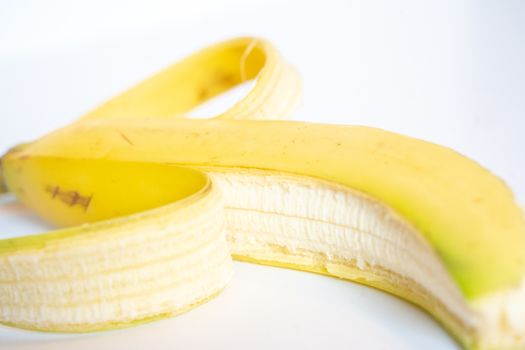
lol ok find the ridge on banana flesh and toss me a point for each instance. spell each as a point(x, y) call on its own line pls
point(409, 217)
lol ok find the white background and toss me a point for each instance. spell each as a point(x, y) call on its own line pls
point(452, 72)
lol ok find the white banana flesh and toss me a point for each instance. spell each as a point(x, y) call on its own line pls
point(159, 265)
point(314, 225)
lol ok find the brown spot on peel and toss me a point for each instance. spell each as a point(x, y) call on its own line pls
point(74, 198)
point(87, 202)
point(56, 190)
point(70, 198)
point(203, 94)
point(226, 79)
point(126, 138)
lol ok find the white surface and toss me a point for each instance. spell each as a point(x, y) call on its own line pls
point(447, 71)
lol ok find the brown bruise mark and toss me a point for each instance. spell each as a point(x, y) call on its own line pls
point(126, 138)
point(204, 94)
point(218, 81)
point(74, 198)
point(87, 202)
point(227, 79)
point(56, 190)
point(68, 197)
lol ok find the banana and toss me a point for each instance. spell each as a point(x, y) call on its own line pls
point(167, 201)
point(208, 73)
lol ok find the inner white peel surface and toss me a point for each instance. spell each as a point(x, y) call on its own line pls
point(264, 210)
point(145, 267)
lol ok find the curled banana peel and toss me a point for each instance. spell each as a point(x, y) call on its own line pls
point(156, 205)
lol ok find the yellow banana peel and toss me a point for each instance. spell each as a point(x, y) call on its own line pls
point(156, 205)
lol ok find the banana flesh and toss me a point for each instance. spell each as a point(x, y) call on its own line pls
point(98, 277)
point(362, 204)
point(318, 226)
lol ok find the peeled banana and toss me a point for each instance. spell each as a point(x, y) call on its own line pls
point(161, 203)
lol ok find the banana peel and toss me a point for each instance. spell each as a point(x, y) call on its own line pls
point(161, 203)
